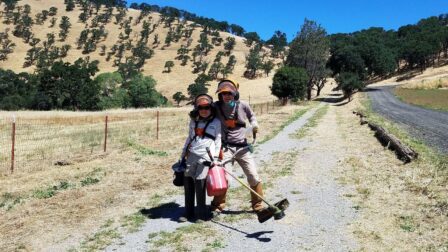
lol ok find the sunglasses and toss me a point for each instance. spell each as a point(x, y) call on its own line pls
point(204, 107)
point(226, 93)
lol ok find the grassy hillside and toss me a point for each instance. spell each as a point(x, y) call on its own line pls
point(168, 83)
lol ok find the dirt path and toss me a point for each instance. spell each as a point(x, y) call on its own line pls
point(426, 124)
point(302, 170)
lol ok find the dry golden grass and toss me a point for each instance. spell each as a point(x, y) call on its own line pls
point(401, 207)
point(127, 177)
point(167, 83)
point(427, 84)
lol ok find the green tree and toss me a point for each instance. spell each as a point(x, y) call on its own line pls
point(289, 83)
point(251, 37)
point(68, 86)
point(143, 94)
point(349, 83)
point(112, 95)
point(310, 50)
point(69, 5)
point(267, 66)
point(64, 25)
point(253, 62)
point(229, 45)
point(179, 97)
point(168, 65)
point(278, 42)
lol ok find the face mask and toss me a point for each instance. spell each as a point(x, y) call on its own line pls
point(230, 103)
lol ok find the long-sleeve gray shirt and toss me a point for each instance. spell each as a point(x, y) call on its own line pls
point(236, 135)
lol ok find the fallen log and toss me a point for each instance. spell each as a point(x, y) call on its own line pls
point(403, 152)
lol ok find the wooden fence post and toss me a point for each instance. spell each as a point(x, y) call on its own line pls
point(13, 141)
point(157, 136)
point(105, 132)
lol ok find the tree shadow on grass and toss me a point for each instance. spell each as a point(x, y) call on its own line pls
point(169, 210)
point(256, 235)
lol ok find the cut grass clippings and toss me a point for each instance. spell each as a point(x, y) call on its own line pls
point(427, 98)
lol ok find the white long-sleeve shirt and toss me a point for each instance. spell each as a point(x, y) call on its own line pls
point(198, 144)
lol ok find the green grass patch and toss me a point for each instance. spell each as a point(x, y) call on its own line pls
point(89, 181)
point(312, 122)
point(50, 191)
point(216, 244)
point(133, 222)
point(407, 223)
point(182, 236)
point(144, 151)
point(296, 115)
point(427, 98)
point(9, 200)
point(100, 240)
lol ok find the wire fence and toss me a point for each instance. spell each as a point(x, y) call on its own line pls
point(30, 143)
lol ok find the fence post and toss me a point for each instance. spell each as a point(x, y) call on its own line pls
point(157, 136)
point(105, 132)
point(13, 141)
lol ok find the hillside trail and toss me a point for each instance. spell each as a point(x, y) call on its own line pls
point(317, 218)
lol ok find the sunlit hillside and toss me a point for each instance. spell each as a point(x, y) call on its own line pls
point(168, 83)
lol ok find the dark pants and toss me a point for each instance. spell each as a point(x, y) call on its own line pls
point(195, 187)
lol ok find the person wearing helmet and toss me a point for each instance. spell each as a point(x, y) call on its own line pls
point(204, 131)
point(233, 115)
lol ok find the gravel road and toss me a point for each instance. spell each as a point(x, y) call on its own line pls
point(316, 219)
point(429, 125)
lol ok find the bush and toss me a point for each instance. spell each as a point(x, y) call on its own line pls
point(349, 83)
point(290, 83)
point(142, 92)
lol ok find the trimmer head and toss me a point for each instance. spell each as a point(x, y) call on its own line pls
point(277, 210)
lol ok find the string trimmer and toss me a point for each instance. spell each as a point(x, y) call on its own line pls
point(276, 210)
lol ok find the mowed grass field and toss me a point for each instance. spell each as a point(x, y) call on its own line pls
point(84, 204)
point(428, 98)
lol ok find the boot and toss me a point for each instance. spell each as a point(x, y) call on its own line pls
point(218, 204)
point(256, 201)
point(189, 199)
point(200, 199)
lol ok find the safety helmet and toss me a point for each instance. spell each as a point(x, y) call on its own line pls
point(228, 85)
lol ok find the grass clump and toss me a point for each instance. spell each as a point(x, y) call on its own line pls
point(50, 191)
point(183, 235)
point(407, 223)
point(144, 151)
point(9, 200)
point(133, 222)
point(89, 181)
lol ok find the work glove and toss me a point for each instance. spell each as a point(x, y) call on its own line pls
point(255, 129)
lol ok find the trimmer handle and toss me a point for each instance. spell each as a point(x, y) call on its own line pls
point(209, 154)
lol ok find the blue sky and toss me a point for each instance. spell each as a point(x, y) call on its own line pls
point(335, 16)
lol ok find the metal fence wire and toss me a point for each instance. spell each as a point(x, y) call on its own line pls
point(32, 143)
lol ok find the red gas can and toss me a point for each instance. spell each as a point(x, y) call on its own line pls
point(216, 181)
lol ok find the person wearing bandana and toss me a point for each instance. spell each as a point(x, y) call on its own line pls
point(233, 115)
